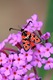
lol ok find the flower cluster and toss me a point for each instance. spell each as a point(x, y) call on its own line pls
point(15, 64)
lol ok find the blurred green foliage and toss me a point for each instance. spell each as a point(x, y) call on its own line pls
point(49, 18)
point(51, 38)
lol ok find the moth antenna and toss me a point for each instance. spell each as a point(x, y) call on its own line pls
point(28, 24)
point(13, 29)
point(20, 27)
point(10, 29)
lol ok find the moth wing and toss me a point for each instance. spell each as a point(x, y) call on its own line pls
point(37, 39)
point(26, 45)
point(32, 44)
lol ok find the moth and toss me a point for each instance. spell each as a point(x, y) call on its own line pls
point(29, 39)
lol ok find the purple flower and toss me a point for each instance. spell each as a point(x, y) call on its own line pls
point(30, 28)
point(25, 67)
point(39, 50)
point(31, 24)
point(14, 74)
point(19, 36)
point(31, 76)
point(0, 76)
point(35, 25)
point(8, 39)
point(34, 17)
point(10, 59)
point(18, 60)
point(15, 38)
point(27, 55)
point(46, 36)
point(48, 50)
point(6, 69)
point(2, 44)
point(3, 58)
point(37, 61)
point(48, 64)
point(4, 77)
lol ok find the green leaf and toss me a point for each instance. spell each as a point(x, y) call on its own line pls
point(49, 18)
point(51, 38)
point(52, 78)
point(42, 72)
